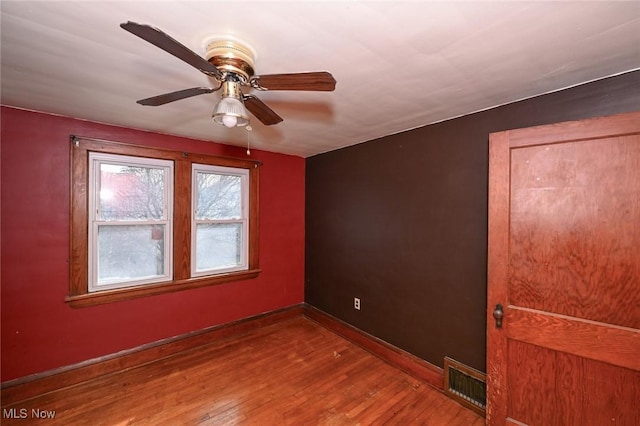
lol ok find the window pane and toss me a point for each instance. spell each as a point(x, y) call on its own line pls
point(218, 196)
point(131, 192)
point(218, 246)
point(130, 252)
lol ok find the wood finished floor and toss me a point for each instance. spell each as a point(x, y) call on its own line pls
point(295, 372)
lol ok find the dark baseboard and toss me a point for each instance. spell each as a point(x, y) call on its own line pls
point(14, 391)
point(403, 360)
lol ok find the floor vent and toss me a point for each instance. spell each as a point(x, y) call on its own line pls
point(465, 384)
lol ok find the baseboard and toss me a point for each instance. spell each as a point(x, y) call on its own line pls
point(14, 391)
point(403, 360)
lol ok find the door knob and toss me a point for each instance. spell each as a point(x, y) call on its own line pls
point(498, 314)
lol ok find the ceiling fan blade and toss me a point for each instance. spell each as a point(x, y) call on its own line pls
point(262, 112)
point(174, 47)
point(175, 96)
point(321, 81)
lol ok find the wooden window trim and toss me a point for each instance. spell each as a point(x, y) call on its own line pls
point(79, 295)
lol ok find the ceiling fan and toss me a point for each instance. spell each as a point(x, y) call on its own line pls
point(231, 63)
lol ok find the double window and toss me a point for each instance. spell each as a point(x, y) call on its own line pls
point(147, 221)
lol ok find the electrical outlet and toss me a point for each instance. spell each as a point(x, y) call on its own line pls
point(356, 303)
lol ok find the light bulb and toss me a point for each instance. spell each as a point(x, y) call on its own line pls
point(229, 120)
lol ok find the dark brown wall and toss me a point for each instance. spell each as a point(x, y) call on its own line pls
point(401, 223)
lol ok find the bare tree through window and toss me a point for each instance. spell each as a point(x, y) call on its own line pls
point(219, 220)
point(131, 199)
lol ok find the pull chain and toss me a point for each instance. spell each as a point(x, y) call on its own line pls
point(248, 139)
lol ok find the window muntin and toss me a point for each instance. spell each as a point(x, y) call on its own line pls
point(220, 219)
point(130, 218)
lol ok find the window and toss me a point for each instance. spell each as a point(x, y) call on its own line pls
point(219, 222)
point(148, 221)
point(130, 205)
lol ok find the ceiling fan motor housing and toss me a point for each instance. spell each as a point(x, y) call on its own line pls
point(232, 56)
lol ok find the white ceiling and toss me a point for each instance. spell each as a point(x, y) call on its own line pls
point(399, 65)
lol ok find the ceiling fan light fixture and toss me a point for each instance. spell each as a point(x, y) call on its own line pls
point(230, 111)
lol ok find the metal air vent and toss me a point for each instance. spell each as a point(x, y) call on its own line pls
point(465, 385)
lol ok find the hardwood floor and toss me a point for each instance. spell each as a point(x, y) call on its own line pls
point(294, 372)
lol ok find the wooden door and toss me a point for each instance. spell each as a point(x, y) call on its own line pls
point(564, 264)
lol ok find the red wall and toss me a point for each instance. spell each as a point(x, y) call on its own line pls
point(39, 331)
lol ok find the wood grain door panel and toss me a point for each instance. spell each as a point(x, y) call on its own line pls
point(564, 263)
point(575, 229)
point(564, 389)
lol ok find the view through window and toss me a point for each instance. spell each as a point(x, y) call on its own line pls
point(155, 220)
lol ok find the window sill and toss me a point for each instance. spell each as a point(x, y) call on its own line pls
point(117, 295)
